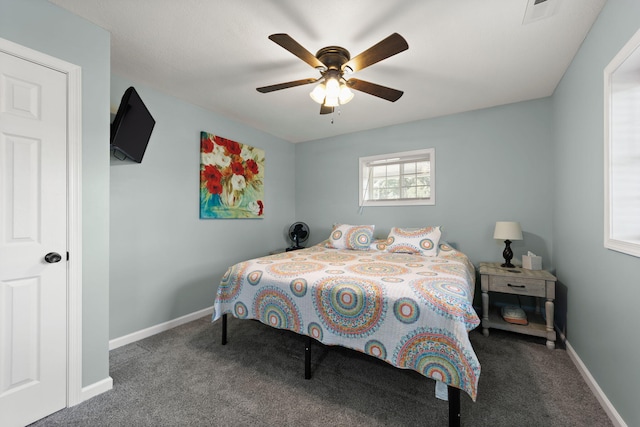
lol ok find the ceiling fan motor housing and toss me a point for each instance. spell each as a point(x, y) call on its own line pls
point(333, 57)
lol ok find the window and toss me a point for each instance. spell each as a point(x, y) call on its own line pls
point(622, 150)
point(406, 178)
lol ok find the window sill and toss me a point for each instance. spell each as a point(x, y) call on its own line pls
point(429, 202)
point(627, 247)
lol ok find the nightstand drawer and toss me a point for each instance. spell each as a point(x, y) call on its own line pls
point(516, 285)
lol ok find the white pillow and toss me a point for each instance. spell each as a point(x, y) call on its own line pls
point(357, 237)
point(423, 241)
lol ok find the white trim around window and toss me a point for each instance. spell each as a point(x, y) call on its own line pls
point(622, 150)
point(398, 179)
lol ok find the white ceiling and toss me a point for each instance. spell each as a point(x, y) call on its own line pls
point(463, 54)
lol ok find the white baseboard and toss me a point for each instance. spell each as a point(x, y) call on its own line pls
point(145, 333)
point(614, 416)
point(107, 384)
point(96, 388)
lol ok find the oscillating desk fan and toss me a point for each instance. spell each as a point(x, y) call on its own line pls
point(298, 233)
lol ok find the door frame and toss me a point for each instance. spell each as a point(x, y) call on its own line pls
point(74, 208)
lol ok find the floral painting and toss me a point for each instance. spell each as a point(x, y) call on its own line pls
point(231, 178)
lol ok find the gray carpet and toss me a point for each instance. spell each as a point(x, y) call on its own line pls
point(185, 377)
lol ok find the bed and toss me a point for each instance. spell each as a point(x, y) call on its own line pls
point(412, 310)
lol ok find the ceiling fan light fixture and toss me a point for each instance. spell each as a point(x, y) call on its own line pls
point(332, 93)
point(331, 101)
point(318, 93)
point(333, 87)
point(345, 94)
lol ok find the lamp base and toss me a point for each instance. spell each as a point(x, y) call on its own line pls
point(507, 254)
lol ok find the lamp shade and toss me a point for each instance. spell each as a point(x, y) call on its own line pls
point(507, 230)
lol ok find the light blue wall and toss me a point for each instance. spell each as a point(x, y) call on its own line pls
point(491, 165)
point(165, 261)
point(41, 26)
point(602, 286)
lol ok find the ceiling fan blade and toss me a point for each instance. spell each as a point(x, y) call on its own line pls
point(326, 110)
point(294, 47)
point(376, 90)
point(267, 89)
point(390, 46)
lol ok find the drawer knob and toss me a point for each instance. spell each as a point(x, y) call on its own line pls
point(515, 286)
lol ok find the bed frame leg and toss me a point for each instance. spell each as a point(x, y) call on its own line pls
point(307, 359)
point(224, 329)
point(454, 406)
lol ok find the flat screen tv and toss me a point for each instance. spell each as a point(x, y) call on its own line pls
point(132, 127)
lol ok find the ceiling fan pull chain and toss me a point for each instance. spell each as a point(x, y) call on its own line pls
point(333, 112)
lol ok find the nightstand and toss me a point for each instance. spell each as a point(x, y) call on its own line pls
point(519, 281)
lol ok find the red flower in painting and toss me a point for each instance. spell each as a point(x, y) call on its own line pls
point(237, 168)
point(211, 173)
point(252, 166)
point(206, 145)
point(214, 186)
point(261, 207)
point(212, 176)
point(233, 147)
point(220, 140)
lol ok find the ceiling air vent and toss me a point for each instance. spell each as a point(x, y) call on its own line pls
point(539, 9)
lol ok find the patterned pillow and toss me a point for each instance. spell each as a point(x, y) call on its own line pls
point(378, 245)
point(345, 236)
point(423, 241)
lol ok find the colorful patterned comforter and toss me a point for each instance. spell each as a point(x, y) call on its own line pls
point(411, 311)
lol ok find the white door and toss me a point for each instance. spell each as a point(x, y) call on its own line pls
point(33, 223)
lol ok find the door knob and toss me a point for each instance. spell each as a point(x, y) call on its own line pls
point(52, 257)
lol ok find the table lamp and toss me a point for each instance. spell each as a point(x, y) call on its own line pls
point(507, 231)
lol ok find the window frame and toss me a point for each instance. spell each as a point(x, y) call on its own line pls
point(364, 162)
point(612, 240)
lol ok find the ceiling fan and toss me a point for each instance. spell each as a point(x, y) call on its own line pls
point(335, 65)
